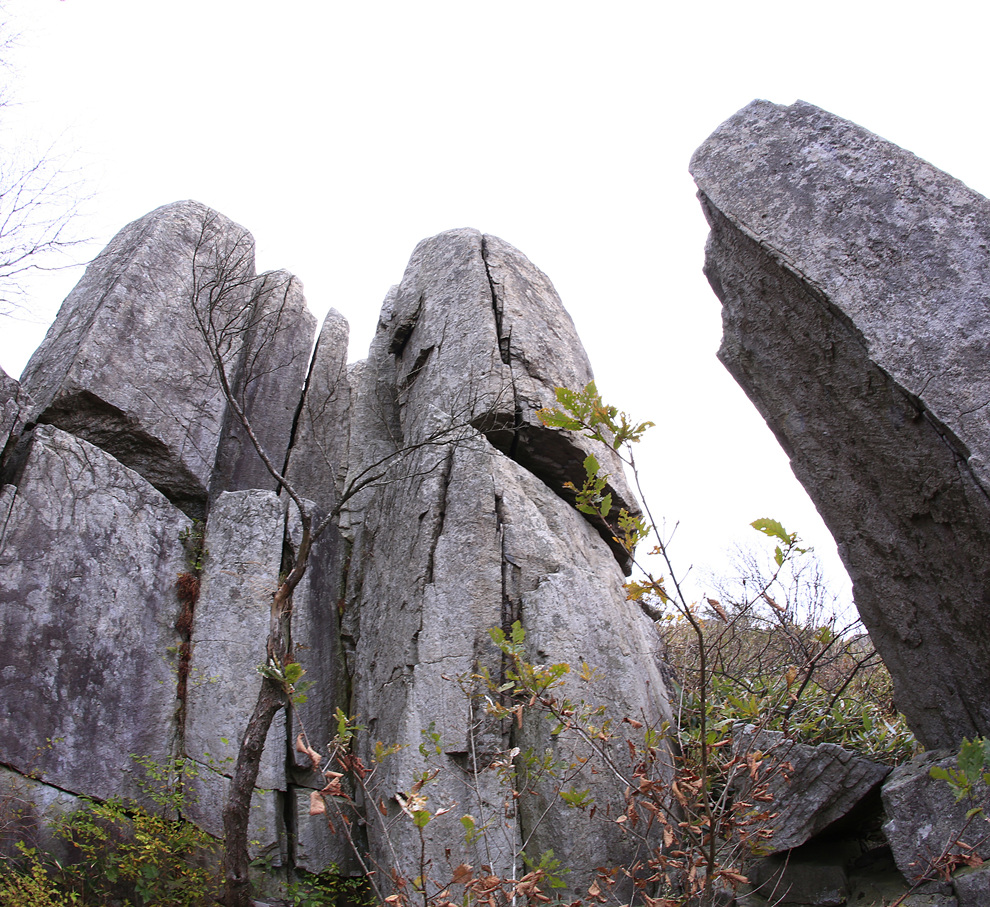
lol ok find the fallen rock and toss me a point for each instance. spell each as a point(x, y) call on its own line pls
point(89, 554)
point(812, 786)
point(972, 886)
point(855, 285)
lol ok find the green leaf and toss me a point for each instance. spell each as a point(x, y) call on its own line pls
point(421, 818)
point(971, 757)
point(606, 506)
point(591, 465)
point(773, 529)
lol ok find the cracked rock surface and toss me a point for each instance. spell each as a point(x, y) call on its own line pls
point(447, 515)
point(469, 533)
point(855, 288)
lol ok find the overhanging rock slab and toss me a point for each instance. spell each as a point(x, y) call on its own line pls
point(855, 283)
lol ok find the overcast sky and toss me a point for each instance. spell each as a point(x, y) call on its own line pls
point(341, 134)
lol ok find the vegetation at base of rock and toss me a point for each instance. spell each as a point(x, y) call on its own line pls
point(767, 664)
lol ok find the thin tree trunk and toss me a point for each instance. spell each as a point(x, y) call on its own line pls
point(237, 809)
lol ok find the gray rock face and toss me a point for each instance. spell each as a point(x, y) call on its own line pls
point(924, 819)
point(811, 786)
point(14, 406)
point(855, 285)
point(89, 554)
point(30, 809)
point(972, 886)
point(455, 522)
point(243, 557)
point(318, 461)
point(270, 378)
point(506, 343)
point(461, 537)
point(126, 366)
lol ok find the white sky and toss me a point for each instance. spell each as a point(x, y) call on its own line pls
point(341, 134)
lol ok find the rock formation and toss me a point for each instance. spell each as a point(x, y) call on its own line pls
point(855, 284)
point(448, 518)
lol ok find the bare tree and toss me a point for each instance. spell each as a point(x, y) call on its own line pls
point(224, 300)
point(39, 199)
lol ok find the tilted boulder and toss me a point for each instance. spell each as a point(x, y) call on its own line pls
point(811, 787)
point(855, 284)
point(89, 556)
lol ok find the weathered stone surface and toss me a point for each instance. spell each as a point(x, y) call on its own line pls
point(557, 580)
point(206, 792)
point(972, 886)
point(812, 786)
point(14, 406)
point(126, 367)
point(89, 554)
point(461, 525)
point(924, 819)
point(318, 847)
point(243, 541)
point(478, 335)
point(855, 284)
point(459, 538)
point(317, 645)
point(270, 377)
point(28, 811)
point(318, 459)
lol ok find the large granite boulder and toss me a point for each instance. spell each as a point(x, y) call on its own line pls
point(89, 554)
point(855, 283)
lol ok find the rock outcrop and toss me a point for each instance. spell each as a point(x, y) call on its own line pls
point(89, 552)
point(855, 283)
point(132, 629)
point(469, 533)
